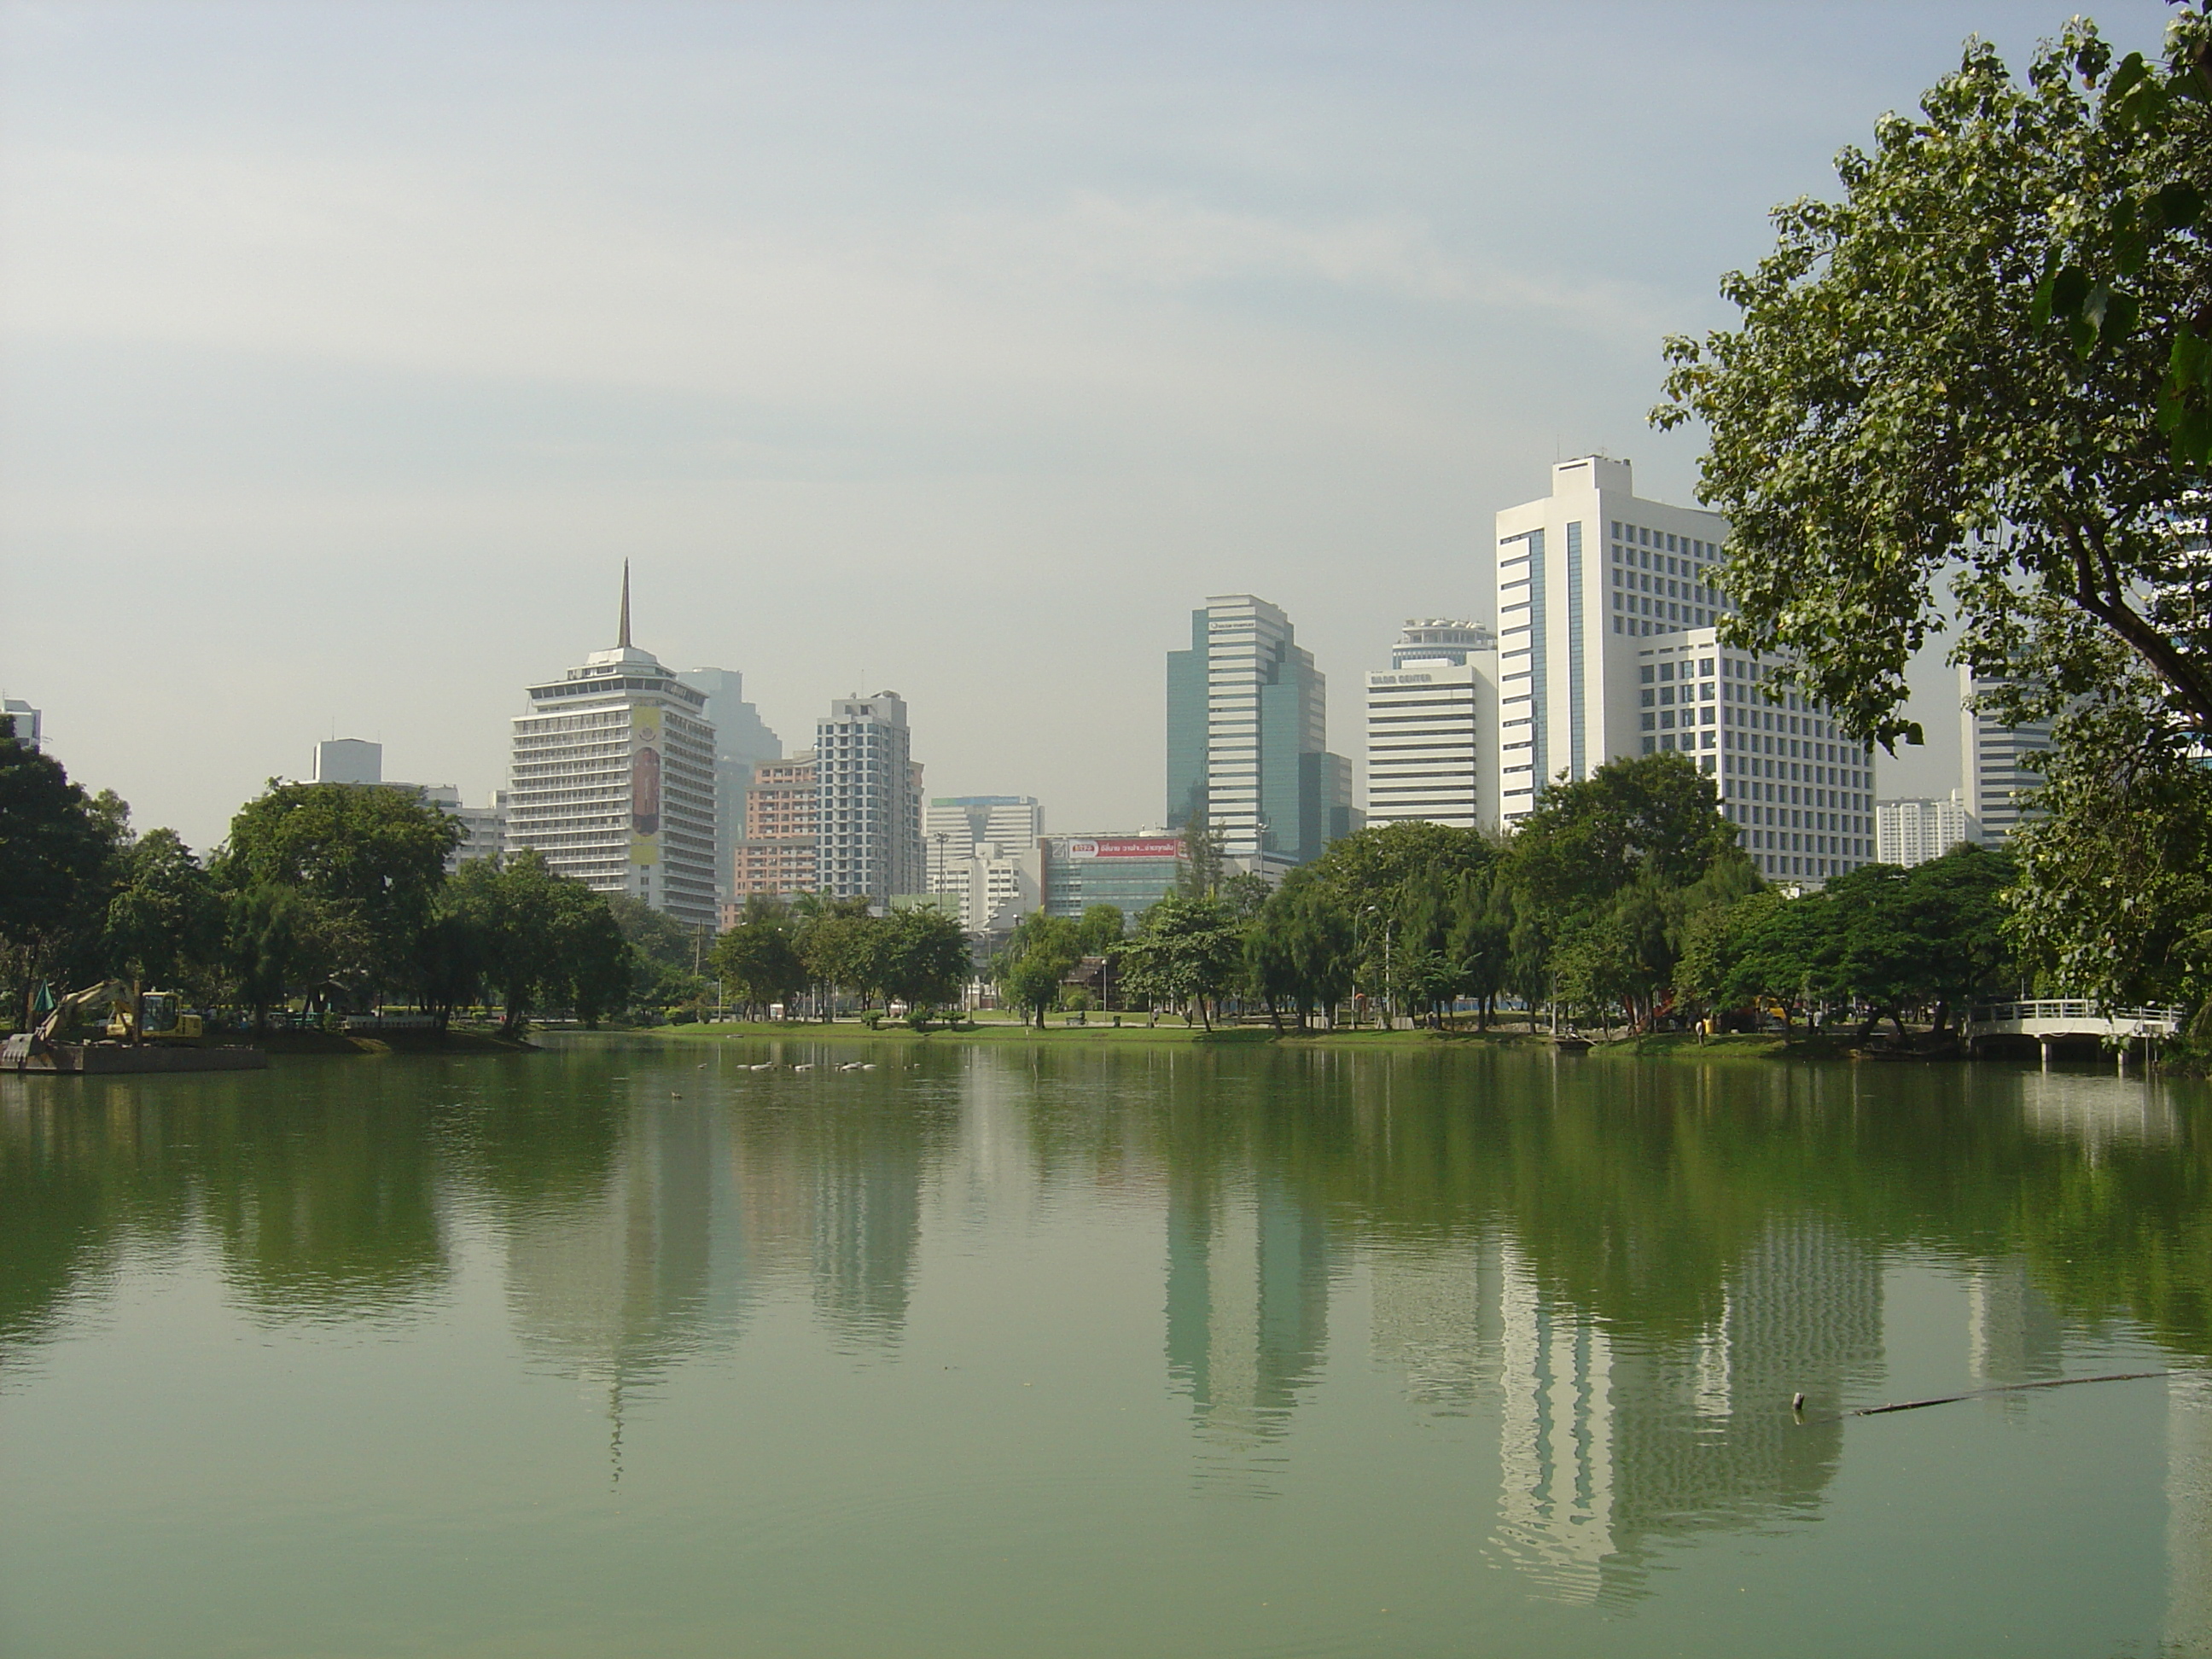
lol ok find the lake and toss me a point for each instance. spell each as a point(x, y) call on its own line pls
point(626, 1348)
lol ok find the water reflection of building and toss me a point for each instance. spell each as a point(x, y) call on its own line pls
point(2014, 1335)
point(1247, 1302)
point(1611, 1441)
point(621, 1281)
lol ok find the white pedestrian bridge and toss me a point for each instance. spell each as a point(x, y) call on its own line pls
point(2049, 1020)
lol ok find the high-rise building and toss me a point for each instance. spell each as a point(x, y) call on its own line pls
point(953, 826)
point(1994, 760)
point(982, 851)
point(1607, 606)
point(742, 741)
point(775, 856)
point(29, 722)
point(612, 780)
point(1427, 720)
point(349, 760)
point(1132, 873)
point(1797, 787)
point(1910, 832)
point(868, 800)
point(1247, 738)
point(1581, 574)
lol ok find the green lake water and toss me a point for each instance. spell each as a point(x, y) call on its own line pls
point(626, 1349)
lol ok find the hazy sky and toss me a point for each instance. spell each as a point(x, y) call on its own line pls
point(959, 350)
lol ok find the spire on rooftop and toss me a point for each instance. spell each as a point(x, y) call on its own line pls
point(622, 643)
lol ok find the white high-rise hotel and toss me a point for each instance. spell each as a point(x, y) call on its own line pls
point(613, 780)
point(1606, 608)
point(1427, 719)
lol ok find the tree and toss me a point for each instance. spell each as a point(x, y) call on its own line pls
point(1654, 816)
point(1188, 952)
point(265, 929)
point(1370, 867)
point(1299, 948)
point(922, 957)
point(546, 940)
point(370, 860)
point(838, 942)
point(1035, 962)
point(1482, 939)
point(1101, 928)
point(58, 849)
point(2114, 895)
point(1979, 365)
point(759, 961)
point(165, 919)
point(1201, 865)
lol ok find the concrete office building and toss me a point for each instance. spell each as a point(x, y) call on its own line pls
point(774, 858)
point(990, 888)
point(868, 801)
point(1246, 738)
point(953, 826)
point(29, 724)
point(1585, 575)
point(742, 741)
point(981, 851)
point(1427, 720)
point(1994, 761)
point(349, 760)
point(1787, 776)
point(612, 780)
point(1910, 832)
point(1132, 873)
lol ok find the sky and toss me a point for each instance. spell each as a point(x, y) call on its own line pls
point(346, 350)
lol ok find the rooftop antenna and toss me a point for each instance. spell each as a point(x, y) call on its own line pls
point(623, 643)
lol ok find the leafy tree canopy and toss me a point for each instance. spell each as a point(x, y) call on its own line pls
point(1986, 365)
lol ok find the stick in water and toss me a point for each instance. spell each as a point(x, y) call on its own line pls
point(1797, 1401)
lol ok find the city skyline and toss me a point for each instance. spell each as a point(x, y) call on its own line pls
point(384, 391)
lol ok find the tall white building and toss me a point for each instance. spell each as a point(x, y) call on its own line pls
point(1993, 758)
point(1248, 737)
point(1608, 607)
point(1427, 720)
point(1799, 790)
point(868, 798)
point(1910, 832)
point(1585, 575)
point(612, 780)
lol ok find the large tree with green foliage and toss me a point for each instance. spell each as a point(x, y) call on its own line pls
point(369, 860)
point(1035, 962)
point(165, 922)
point(1959, 375)
point(922, 957)
point(59, 853)
point(758, 959)
point(546, 941)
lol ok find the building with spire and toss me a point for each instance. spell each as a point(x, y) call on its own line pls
point(612, 780)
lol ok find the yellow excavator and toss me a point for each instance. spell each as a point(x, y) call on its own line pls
point(134, 1015)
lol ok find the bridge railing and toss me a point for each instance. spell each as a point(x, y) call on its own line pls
point(2163, 1020)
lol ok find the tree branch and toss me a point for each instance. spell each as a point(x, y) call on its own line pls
point(2106, 602)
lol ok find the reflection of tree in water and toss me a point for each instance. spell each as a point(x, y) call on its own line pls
point(321, 1200)
point(1637, 1266)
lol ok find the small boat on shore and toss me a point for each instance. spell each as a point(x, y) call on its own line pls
point(1572, 1043)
